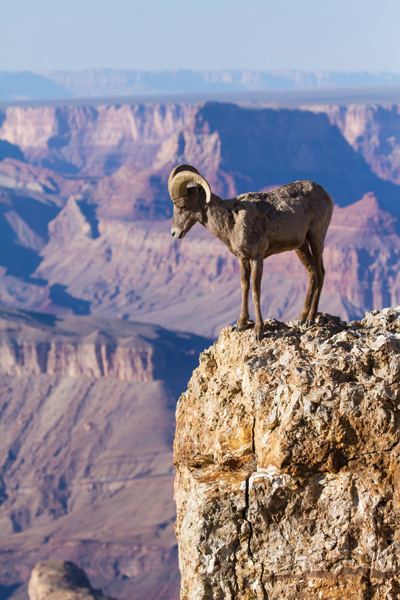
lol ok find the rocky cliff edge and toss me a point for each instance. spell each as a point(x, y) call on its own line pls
point(287, 464)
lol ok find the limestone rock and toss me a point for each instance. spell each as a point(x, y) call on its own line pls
point(287, 458)
point(61, 580)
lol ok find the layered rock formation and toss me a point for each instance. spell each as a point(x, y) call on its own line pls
point(374, 132)
point(287, 459)
point(86, 427)
point(93, 141)
point(92, 234)
point(91, 347)
point(236, 148)
point(198, 280)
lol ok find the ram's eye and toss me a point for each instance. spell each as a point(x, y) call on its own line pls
point(183, 206)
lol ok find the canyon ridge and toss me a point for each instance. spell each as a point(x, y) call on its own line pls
point(85, 213)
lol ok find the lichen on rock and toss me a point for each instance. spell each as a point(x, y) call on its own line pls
point(287, 463)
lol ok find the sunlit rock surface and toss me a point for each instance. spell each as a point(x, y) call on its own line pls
point(287, 459)
point(61, 580)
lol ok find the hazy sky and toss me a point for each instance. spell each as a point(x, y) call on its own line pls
point(338, 35)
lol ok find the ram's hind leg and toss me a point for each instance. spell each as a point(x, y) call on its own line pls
point(257, 271)
point(307, 260)
point(245, 272)
point(317, 248)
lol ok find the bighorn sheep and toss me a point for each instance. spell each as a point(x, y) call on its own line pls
point(256, 225)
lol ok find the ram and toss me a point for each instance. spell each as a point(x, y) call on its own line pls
point(256, 225)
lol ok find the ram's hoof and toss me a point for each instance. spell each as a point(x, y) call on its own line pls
point(306, 322)
point(259, 332)
point(244, 326)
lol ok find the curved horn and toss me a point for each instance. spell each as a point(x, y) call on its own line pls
point(177, 170)
point(178, 184)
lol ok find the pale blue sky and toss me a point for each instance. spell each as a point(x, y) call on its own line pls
point(342, 35)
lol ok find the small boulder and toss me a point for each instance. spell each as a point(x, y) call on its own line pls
point(61, 580)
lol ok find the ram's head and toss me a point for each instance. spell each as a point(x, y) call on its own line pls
point(188, 190)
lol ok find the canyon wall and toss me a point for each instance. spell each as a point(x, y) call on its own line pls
point(286, 455)
point(91, 233)
point(86, 427)
point(374, 132)
point(92, 347)
point(236, 148)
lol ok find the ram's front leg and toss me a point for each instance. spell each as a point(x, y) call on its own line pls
point(257, 271)
point(245, 272)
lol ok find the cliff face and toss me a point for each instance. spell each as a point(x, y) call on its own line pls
point(287, 457)
point(374, 132)
point(92, 141)
point(90, 347)
point(198, 281)
point(348, 150)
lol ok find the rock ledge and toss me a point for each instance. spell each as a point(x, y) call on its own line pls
point(287, 464)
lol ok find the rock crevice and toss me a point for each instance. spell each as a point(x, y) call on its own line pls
point(286, 457)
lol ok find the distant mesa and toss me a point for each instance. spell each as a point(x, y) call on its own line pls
point(24, 85)
point(97, 83)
